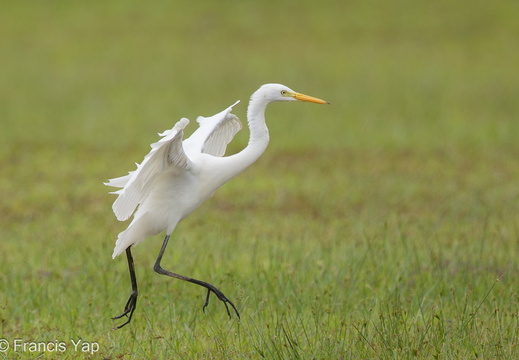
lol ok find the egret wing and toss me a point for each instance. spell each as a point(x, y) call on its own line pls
point(214, 133)
point(168, 151)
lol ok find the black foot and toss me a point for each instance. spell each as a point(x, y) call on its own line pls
point(210, 288)
point(221, 297)
point(129, 308)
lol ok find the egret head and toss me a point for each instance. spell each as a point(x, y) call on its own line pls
point(278, 92)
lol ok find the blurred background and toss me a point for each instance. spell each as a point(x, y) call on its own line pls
point(87, 85)
point(399, 73)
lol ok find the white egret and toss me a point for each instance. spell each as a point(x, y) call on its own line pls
point(177, 176)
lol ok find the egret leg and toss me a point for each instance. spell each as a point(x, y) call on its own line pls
point(131, 304)
point(210, 288)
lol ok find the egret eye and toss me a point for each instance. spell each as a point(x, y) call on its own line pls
point(284, 93)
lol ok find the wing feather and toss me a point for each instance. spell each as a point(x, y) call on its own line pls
point(221, 136)
point(136, 185)
point(214, 133)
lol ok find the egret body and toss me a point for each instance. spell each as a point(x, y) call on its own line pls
point(177, 176)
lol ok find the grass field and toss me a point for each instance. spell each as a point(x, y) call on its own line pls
point(383, 226)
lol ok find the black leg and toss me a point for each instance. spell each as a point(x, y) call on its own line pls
point(131, 304)
point(210, 288)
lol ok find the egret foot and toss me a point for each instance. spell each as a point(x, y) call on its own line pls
point(131, 304)
point(221, 297)
point(129, 308)
point(210, 288)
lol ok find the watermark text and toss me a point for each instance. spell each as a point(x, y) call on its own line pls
point(49, 346)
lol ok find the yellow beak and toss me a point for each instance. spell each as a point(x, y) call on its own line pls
point(307, 98)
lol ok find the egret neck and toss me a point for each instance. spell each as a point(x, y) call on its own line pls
point(258, 138)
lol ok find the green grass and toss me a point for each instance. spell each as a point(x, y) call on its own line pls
point(382, 226)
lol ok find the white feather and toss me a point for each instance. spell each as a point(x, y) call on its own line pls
point(136, 185)
point(212, 137)
point(214, 133)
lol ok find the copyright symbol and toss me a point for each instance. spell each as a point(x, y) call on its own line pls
point(4, 345)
